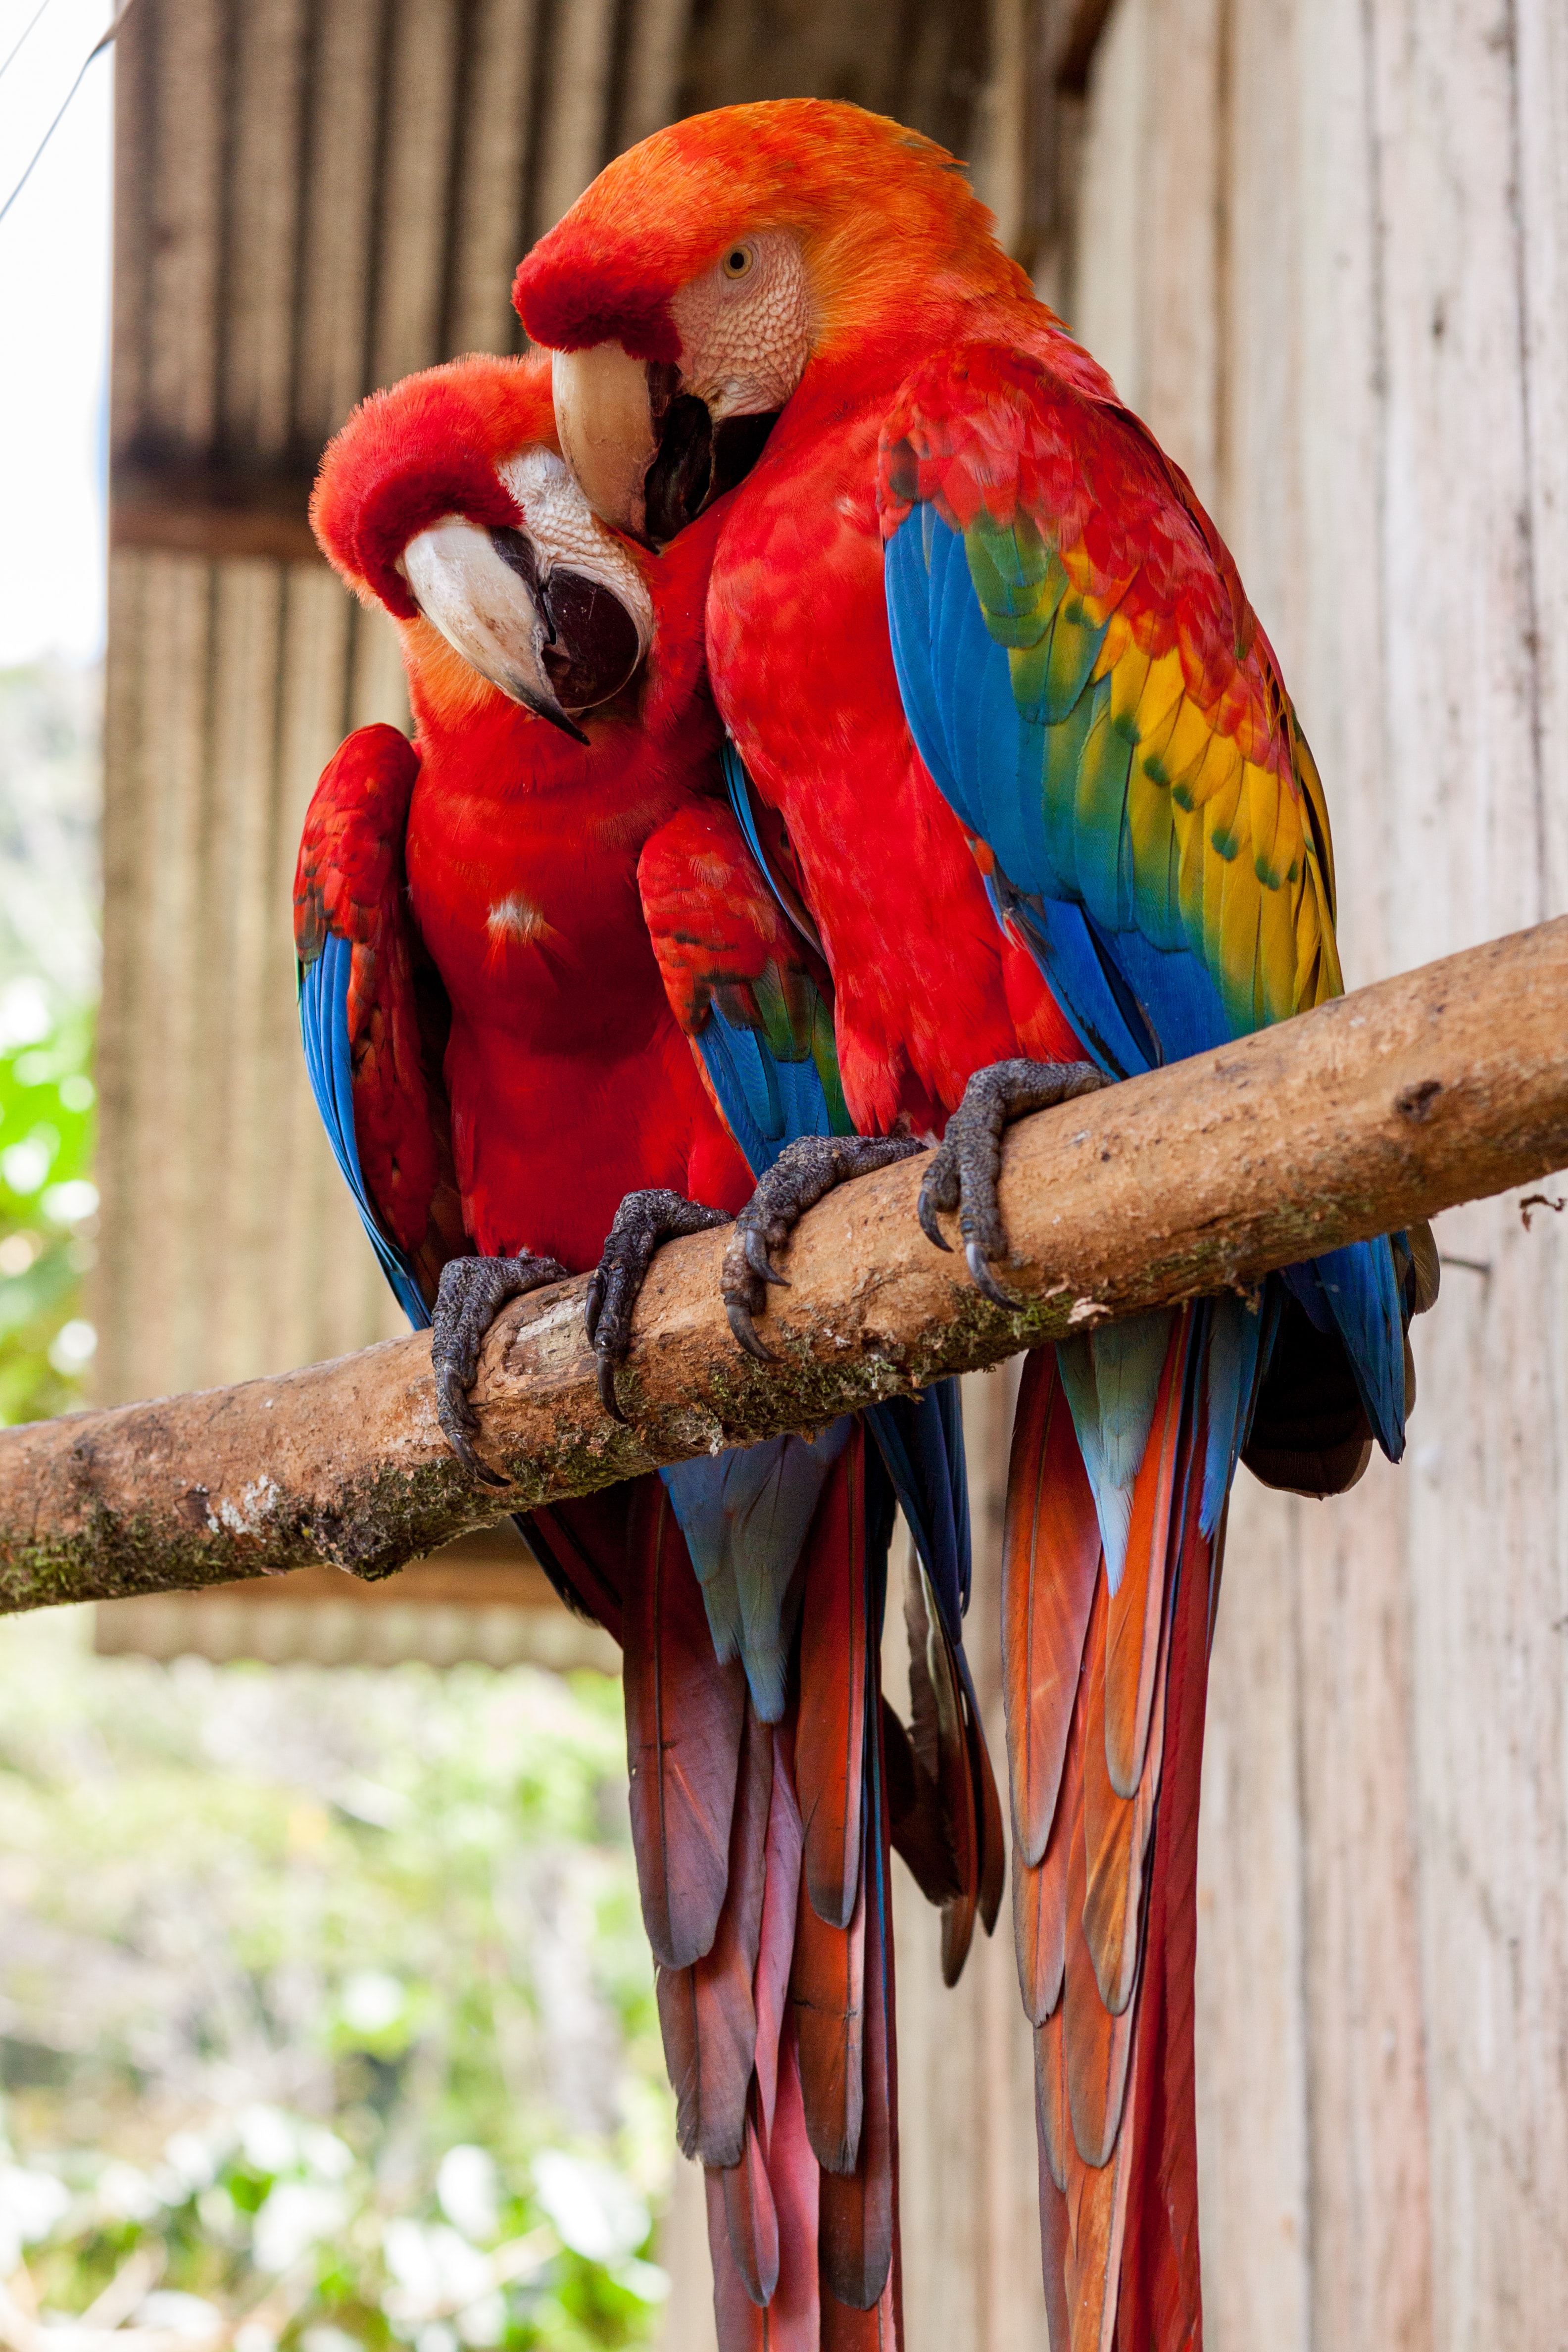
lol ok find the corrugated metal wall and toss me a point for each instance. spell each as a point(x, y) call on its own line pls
point(313, 197)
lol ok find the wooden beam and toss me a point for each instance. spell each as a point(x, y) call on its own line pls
point(182, 509)
point(1389, 1105)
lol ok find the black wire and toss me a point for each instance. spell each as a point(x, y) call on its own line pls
point(22, 35)
point(97, 50)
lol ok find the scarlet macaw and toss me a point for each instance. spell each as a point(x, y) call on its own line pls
point(990, 665)
point(485, 923)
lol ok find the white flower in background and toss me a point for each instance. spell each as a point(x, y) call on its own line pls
point(297, 2215)
point(324, 2154)
point(191, 2160)
point(483, 2323)
point(320, 2339)
point(30, 2204)
point(468, 2192)
point(68, 1204)
point(74, 1344)
point(256, 2337)
point(268, 2138)
point(182, 2314)
point(436, 2337)
point(644, 2280)
point(24, 1165)
point(598, 2214)
point(24, 1012)
point(123, 2194)
point(372, 2001)
point(436, 2271)
point(221, 2217)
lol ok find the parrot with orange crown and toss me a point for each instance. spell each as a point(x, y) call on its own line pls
point(1001, 717)
point(551, 1012)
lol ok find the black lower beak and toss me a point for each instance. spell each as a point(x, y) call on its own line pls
point(589, 644)
point(695, 463)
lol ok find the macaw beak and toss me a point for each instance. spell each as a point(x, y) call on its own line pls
point(647, 456)
point(548, 635)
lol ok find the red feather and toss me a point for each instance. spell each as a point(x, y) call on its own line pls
point(706, 2011)
point(1050, 1560)
point(777, 1937)
point(830, 1731)
point(350, 881)
point(749, 2217)
point(827, 2002)
point(857, 2212)
point(684, 1716)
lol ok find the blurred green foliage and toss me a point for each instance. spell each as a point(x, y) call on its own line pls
point(324, 2001)
point(48, 1204)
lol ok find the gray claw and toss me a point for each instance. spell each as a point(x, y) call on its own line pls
point(757, 1258)
point(608, 1396)
point(472, 1291)
point(643, 1221)
point(985, 1280)
point(740, 1324)
point(926, 1210)
point(964, 1175)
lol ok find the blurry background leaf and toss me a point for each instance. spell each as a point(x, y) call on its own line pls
point(397, 2083)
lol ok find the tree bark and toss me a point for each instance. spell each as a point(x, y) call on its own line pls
point(1441, 1086)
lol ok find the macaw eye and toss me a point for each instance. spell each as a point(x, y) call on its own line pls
point(739, 261)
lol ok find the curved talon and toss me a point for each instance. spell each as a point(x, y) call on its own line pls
point(985, 1280)
point(644, 1219)
point(740, 1321)
point(471, 1292)
point(926, 1211)
point(757, 1258)
point(459, 1422)
point(605, 1376)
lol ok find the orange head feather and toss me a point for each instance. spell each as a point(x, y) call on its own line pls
point(879, 212)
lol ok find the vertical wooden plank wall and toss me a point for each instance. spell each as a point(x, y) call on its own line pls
point(1322, 246)
point(311, 200)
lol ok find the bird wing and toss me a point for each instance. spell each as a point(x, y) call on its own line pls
point(1091, 691)
point(367, 1014)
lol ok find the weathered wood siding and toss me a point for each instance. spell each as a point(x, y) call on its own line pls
point(312, 200)
point(1322, 244)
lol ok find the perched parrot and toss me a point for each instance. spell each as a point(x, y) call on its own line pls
point(1003, 709)
point(551, 1011)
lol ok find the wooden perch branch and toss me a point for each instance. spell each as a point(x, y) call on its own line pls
point(1404, 1099)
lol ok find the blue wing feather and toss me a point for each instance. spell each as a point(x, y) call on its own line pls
point(1043, 783)
point(745, 1514)
point(324, 1029)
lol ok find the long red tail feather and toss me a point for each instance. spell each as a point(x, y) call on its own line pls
point(857, 2209)
point(684, 1716)
point(1050, 1563)
point(830, 1731)
point(707, 2012)
point(1105, 1696)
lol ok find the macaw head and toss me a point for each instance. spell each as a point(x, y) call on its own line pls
point(711, 274)
point(446, 499)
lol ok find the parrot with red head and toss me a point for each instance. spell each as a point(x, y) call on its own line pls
point(553, 1012)
point(996, 701)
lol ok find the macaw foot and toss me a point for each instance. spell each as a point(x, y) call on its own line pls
point(472, 1294)
point(643, 1221)
point(803, 1174)
point(966, 1165)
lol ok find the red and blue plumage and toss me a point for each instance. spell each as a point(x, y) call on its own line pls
point(976, 639)
point(538, 973)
